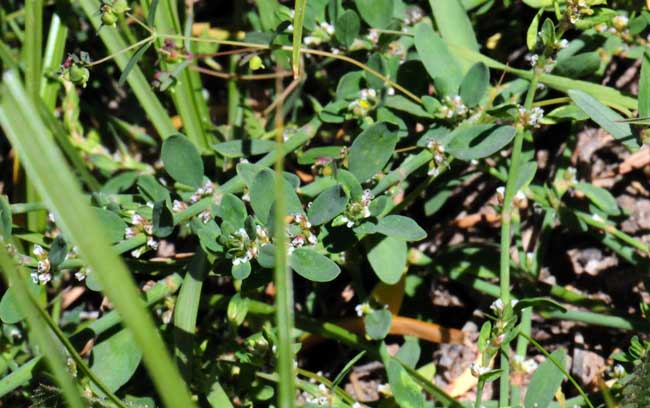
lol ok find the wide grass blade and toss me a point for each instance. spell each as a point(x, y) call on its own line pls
point(39, 331)
point(187, 95)
point(137, 81)
point(54, 50)
point(54, 180)
point(298, 21)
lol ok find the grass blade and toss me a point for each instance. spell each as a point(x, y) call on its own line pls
point(54, 50)
point(139, 85)
point(38, 329)
point(454, 26)
point(132, 62)
point(44, 163)
point(298, 21)
point(187, 96)
point(151, 16)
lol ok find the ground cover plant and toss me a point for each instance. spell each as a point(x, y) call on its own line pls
point(324, 203)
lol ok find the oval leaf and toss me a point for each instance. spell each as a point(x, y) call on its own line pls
point(313, 266)
point(437, 60)
point(327, 205)
point(475, 84)
point(371, 150)
point(388, 259)
point(244, 148)
point(182, 161)
point(347, 27)
point(477, 142)
point(398, 226)
point(377, 323)
point(377, 13)
point(115, 360)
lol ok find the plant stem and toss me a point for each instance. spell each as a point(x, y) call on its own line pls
point(122, 51)
point(506, 221)
point(284, 287)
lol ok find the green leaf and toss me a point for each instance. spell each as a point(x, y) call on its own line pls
point(311, 155)
point(533, 29)
point(371, 150)
point(376, 13)
point(349, 85)
point(644, 87)
point(241, 271)
point(112, 224)
point(313, 266)
point(545, 382)
point(606, 118)
point(398, 226)
point(152, 190)
point(579, 65)
point(347, 27)
point(151, 16)
point(377, 323)
point(401, 103)
point(58, 251)
point(409, 352)
point(454, 24)
point(232, 210)
point(182, 161)
point(474, 85)
point(115, 360)
point(6, 218)
point(10, 312)
point(479, 141)
point(407, 392)
point(539, 303)
point(237, 309)
point(599, 196)
point(244, 148)
point(387, 258)
point(262, 195)
point(327, 205)
point(162, 220)
point(217, 398)
point(132, 62)
point(438, 61)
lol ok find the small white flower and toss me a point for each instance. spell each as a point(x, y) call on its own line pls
point(313, 239)
point(43, 266)
point(619, 371)
point(497, 306)
point(152, 243)
point(178, 206)
point(329, 29)
point(39, 252)
point(477, 370)
point(373, 36)
point(597, 218)
point(563, 43)
point(384, 389)
point(137, 219)
point(323, 388)
point(44, 278)
point(129, 233)
point(390, 91)
point(501, 193)
point(80, 275)
point(520, 196)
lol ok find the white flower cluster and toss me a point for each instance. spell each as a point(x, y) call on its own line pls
point(43, 274)
point(373, 36)
point(322, 33)
point(363, 309)
point(358, 211)
point(438, 152)
point(549, 63)
point(575, 9)
point(304, 234)
point(361, 106)
point(498, 307)
point(453, 107)
point(478, 370)
point(323, 400)
point(205, 190)
point(525, 366)
point(531, 118)
point(139, 224)
point(250, 248)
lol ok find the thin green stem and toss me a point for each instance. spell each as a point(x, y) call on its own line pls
point(284, 287)
point(506, 221)
point(122, 51)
